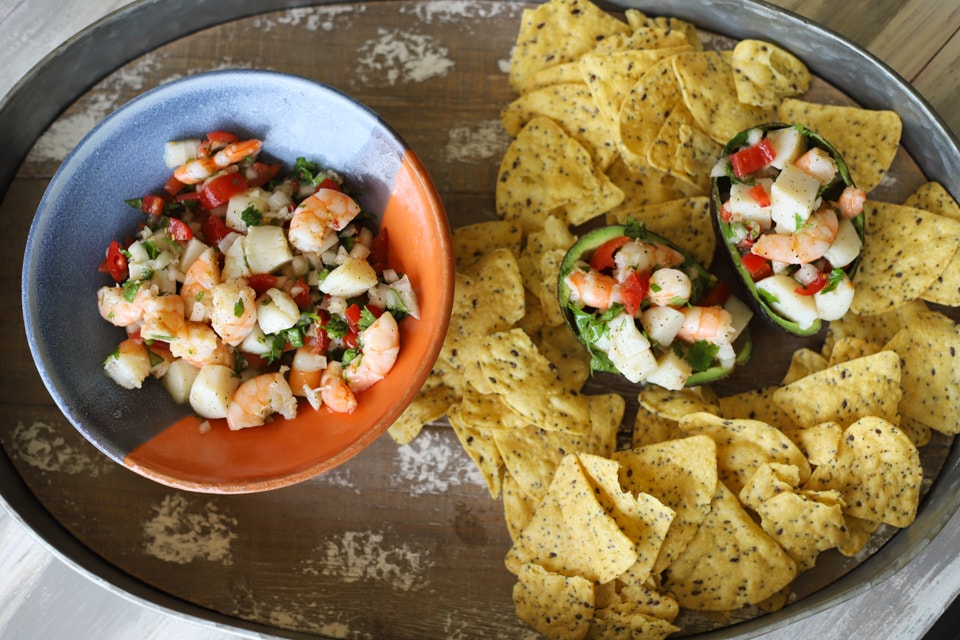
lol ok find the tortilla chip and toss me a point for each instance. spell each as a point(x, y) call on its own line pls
point(877, 471)
point(558, 31)
point(802, 525)
point(565, 73)
point(867, 139)
point(765, 74)
point(518, 507)
point(730, 562)
point(803, 362)
point(770, 479)
point(904, 252)
point(556, 606)
point(875, 330)
point(845, 392)
point(686, 222)
point(474, 241)
point(743, 446)
point(859, 532)
point(623, 622)
point(706, 82)
point(681, 474)
point(645, 110)
point(682, 149)
point(755, 404)
point(482, 449)
point(431, 403)
point(563, 350)
point(645, 186)
point(819, 442)
point(572, 107)
point(851, 348)
point(933, 197)
point(642, 24)
point(650, 427)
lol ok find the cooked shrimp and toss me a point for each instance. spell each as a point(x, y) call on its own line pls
point(713, 324)
point(199, 169)
point(379, 346)
point(234, 310)
point(819, 164)
point(644, 256)
point(593, 289)
point(670, 288)
point(319, 217)
point(117, 310)
point(851, 202)
point(199, 344)
point(162, 318)
point(259, 398)
point(201, 277)
point(807, 244)
point(334, 391)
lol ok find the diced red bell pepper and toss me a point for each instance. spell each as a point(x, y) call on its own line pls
point(260, 282)
point(634, 289)
point(115, 263)
point(813, 287)
point(602, 258)
point(328, 183)
point(214, 229)
point(716, 296)
point(153, 205)
point(319, 342)
point(178, 230)
point(260, 173)
point(219, 190)
point(760, 195)
point(300, 292)
point(757, 266)
point(752, 158)
point(173, 186)
point(352, 315)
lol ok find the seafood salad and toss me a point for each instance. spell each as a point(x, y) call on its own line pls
point(247, 288)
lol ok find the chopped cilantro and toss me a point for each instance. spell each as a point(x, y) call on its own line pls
point(130, 290)
point(251, 216)
point(238, 308)
point(701, 354)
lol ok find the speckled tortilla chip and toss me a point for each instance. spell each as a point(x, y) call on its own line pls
point(802, 525)
point(851, 348)
point(764, 73)
point(682, 474)
point(518, 507)
point(645, 600)
point(819, 442)
point(683, 150)
point(474, 241)
point(930, 373)
point(556, 32)
point(564, 351)
point(645, 110)
point(867, 139)
point(643, 24)
point(875, 330)
point(546, 172)
point(685, 221)
point(707, 85)
point(769, 479)
point(859, 533)
point(431, 403)
point(558, 607)
point(755, 404)
point(877, 471)
point(566, 73)
point(743, 445)
point(730, 562)
point(844, 393)
point(482, 449)
point(645, 186)
point(615, 622)
point(571, 106)
point(904, 251)
point(933, 197)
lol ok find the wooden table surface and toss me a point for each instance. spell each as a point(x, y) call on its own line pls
point(200, 548)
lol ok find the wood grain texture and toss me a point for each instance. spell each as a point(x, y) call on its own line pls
point(218, 552)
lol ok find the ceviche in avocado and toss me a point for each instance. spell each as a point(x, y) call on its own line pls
point(791, 220)
point(646, 310)
point(247, 287)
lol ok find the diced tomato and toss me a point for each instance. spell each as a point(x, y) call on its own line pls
point(725, 214)
point(818, 284)
point(602, 258)
point(214, 229)
point(752, 158)
point(178, 230)
point(352, 314)
point(115, 263)
point(351, 340)
point(634, 289)
point(758, 267)
point(320, 340)
point(187, 197)
point(374, 310)
point(260, 282)
point(328, 183)
point(300, 292)
point(716, 295)
point(173, 186)
point(260, 173)
point(760, 195)
point(219, 190)
point(153, 205)
point(378, 251)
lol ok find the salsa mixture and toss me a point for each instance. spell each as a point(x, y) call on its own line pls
point(247, 288)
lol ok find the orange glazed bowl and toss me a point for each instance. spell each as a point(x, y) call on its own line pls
point(84, 209)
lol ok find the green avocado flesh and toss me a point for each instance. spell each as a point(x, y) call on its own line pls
point(720, 192)
point(578, 319)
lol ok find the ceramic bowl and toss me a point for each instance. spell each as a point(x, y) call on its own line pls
point(83, 209)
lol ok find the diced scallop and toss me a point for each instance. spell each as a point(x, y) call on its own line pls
point(234, 259)
point(256, 198)
point(266, 248)
point(833, 304)
point(629, 350)
point(212, 390)
point(257, 342)
point(745, 208)
point(792, 198)
point(129, 365)
point(176, 152)
point(740, 314)
point(662, 324)
point(193, 250)
point(671, 373)
point(179, 379)
point(352, 278)
point(782, 296)
point(276, 311)
point(788, 144)
point(846, 246)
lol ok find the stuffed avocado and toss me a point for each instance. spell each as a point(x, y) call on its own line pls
point(791, 220)
point(646, 310)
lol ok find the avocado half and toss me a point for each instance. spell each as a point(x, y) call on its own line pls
point(720, 191)
point(575, 318)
